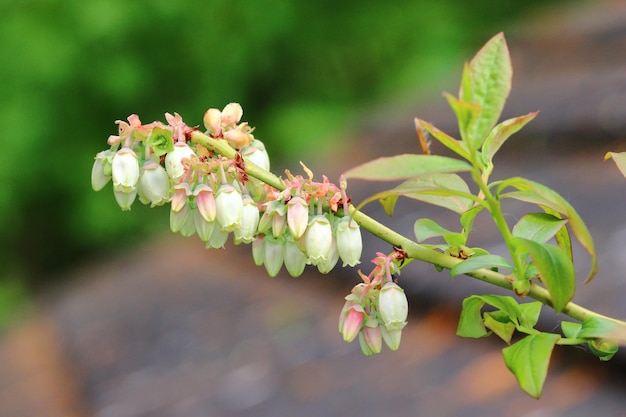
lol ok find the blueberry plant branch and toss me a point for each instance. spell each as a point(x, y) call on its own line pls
point(218, 183)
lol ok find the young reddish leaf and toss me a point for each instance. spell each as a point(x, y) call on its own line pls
point(539, 227)
point(402, 167)
point(490, 74)
point(502, 132)
point(443, 189)
point(448, 141)
point(529, 358)
point(466, 113)
point(478, 262)
point(620, 160)
point(535, 193)
point(556, 270)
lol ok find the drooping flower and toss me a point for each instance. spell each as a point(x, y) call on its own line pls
point(154, 184)
point(125, 170)
point(393, 306)
point(318, 239)
point(297, 216)
point(101, 171)
point(246, 232)
point(229, 206)
point(174, 160)
point(349, 241)
point(295, 258)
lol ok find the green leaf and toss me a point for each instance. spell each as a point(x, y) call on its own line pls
point(448, 141)
point(470, 320)
point(562, 236)
point(539, 227)
point(468, 217)
point(620, 160)
point(500, 324)
point(535, 193)
point(556, 270)
point(489, 84)
point(529, 358)
point(501, 132)
point(426, 228)
point(478, 262)
point(530, 313)
point(402, 167)
point(570, 329)
point(597, 327)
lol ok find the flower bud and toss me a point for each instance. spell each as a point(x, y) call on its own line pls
point(204, 228)
point(391, 337)
point(249, 221)
point(154, 184)
point(180, 197)
point(179, 218)
point(231, 114)
point(257, 154)
point(258, 253)
point(294, 257)
point(352, 322)
point(125, 170)
point(297, 216)
point(393, 306)
point(205, 200)
point(189, 227)
point(367, 351)
point(174, 160)
point(238, 138)
point(279, 222)
point(124, 199)
point(273, 255)
point(213, 121)
point(101, 171)
point(229, 206)
point(372, 337)
point(327, 265)
point(218, 238)
point(318, 239)
point(349, 241)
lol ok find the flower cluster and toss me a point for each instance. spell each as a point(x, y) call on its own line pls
point(211, 195)
point(376, 310)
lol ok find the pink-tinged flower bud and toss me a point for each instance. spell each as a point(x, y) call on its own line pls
point(364, 347)
point(372, 337)
point(393, 306)
point(258, 251)
point(231, 114)
point(180, 197)
point(218, 238)
point(205, 200)
point(124, 199)
point(318, 239)
point(237, 138)
point(352, 322)
point(257, 154)
point(179, 218)
point(327, 265)
point(101, 171)
point(295, 258)
point(391, 337)
point(229, 206)
point(154, 184)
point(349, 241)
point(174, 160)
point(213, 121)
point(297, 216)
point(273, 255)
point(204, 228)
point(189, 227)
point(279, 222)
point(125, 170)
point(246, 233)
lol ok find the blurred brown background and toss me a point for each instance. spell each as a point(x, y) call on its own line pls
point(99, 322)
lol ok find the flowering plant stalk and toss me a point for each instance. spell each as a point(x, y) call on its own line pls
point(218, 182)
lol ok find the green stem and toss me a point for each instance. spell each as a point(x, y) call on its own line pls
point(415, 250)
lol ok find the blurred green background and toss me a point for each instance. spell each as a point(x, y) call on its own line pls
point(301, 69)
